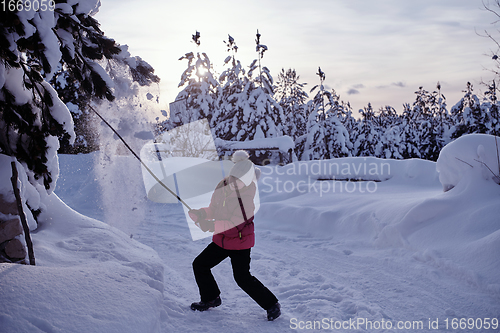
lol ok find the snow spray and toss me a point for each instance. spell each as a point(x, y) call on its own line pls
point(123, 200)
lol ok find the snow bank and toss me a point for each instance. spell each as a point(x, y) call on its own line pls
point(397, 204)
point(89, 277)
point(473, 153)
point(341, 197)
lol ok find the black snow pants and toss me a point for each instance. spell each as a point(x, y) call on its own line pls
point(211, 256)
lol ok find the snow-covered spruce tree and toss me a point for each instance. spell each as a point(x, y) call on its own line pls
point(389, 145)
point(315, 145)
point(367, 135)
point(377, 133)
point(292, 98)
point(128, 74)
point(441, 117)
point(200, 88)
point(490, 104)
point(32, 45)
point(350, 123)
point(409, 133)
point(255, 114)
point(326, 135)
point(232, 81)
point(67, 87)
point(386, 117)
point(468, 116)
point(429, 113)
point(426, 143)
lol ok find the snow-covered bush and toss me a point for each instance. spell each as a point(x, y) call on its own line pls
point(472, 153)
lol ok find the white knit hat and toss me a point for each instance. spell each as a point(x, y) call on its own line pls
point(243, 168)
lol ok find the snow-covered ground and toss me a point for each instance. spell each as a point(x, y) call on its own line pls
point(392, 251)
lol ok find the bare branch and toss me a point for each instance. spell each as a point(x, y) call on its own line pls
point(464, 162)
point(496, 178)
point(497, 2)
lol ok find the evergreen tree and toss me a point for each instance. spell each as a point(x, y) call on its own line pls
point(425, 109)
point(32, 45)
point(254, 112)
point(200, 88)
point(327, 137)
point(67, 87)
point(389, 145)
point(316, 145)
point(367, 136)
point(350, 123)
point(386, 117)
point(292, 98)
point(468, 116)
point(441, 118)
point(409, 133)
point(224, 122)
point(490, 105)
point(261, 115)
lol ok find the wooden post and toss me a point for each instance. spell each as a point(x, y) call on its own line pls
point(26, 229)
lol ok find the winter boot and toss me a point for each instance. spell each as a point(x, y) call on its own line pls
point(274, 312)
point(203, 306)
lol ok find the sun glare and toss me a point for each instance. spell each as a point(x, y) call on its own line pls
point(201, 71)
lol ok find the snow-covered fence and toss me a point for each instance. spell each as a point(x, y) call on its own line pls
point(283, 144)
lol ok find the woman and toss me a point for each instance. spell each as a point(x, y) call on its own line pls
point(230, 217)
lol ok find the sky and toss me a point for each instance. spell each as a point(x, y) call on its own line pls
point(377, 52)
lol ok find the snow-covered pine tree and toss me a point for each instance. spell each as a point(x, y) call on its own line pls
point(425, 108)
point(367, 136)
point(33, 43)
point(76, 100)
point(386, 123)
point(255, 114)
point(315, 145)
point(327, 137)
point(232, 81)
point(386, 117)
point(490, 105)
point(200, 88)
point(350, 123)
point(389, 145)
point(409, 133)
point(467, 115)
point(441, 118)
point(292, 98)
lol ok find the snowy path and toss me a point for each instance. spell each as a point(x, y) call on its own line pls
point(314, 279)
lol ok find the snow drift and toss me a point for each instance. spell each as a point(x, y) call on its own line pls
point(473, 153)
point(89, 277)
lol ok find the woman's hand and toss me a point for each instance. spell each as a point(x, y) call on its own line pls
point(206, 225)
point(197, 214)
